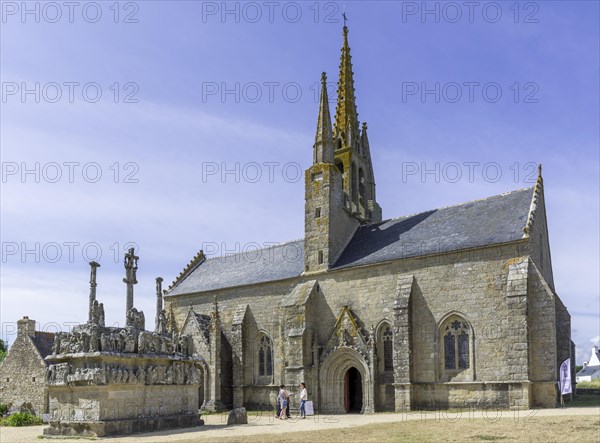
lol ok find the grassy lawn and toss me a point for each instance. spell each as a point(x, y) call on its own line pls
point(583, 400)
point(594, 384)
point(524, 428)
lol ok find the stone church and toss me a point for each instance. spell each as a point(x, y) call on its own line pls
point(453, 307)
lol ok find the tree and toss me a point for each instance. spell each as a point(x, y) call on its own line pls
point(2, 349)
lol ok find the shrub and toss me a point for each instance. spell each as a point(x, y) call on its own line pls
point(22, 419)
point(3, 409)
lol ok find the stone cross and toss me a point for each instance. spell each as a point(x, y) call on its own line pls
point(159, 304)
point(131, 266)
point(94, 266)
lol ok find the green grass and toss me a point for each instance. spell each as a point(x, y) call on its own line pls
point(583, 400)
point(594, 384)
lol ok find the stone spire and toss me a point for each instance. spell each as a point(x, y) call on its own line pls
point(93, 267)
point(323, 148)
point(370, 175)
point(131, 266)
point(159, 305)
point(346, 117)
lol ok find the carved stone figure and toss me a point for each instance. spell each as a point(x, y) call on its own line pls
point(149, 343)
point(177, 374)
point(166, 345)
point(141, 375)
point(97, 313)
point(101, 321)
point(182, 345)
point(93, 341)
point(57, 375)
point(85, 340)
point(162, 322)
point(136, 319)
point(105, 343)
point(57, 343)
point(76, 343)
point(169, 375)
point(150, 375)
point(127, 341)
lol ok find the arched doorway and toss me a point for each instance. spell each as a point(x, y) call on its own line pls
point(353, 395)
point(345, 383)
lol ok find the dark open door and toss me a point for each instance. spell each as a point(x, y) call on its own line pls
point(347, 391)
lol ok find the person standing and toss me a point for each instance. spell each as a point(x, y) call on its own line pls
point(283, 400)
point(303, 398)
point(277, 414)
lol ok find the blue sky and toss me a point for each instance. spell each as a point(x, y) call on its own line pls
point(177, 60)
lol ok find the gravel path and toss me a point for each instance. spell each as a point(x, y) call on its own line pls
point(266, 424)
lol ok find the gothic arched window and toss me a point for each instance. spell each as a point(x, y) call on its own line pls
point(388, 349)
point(455, 347)
point(265, 356)
point(385, 348)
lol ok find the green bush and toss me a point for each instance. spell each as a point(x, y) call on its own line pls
point(22, 419)
point(3, 409)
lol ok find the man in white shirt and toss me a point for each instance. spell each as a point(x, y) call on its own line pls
point(303, 398)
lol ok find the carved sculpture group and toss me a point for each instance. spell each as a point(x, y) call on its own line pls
point(173, 372)
point(167, 352)
point(91, 338)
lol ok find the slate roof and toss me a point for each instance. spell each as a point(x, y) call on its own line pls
point(254, 266)
point(588, 370)
point(43, 341)
point(493, 220)
point(489, 221)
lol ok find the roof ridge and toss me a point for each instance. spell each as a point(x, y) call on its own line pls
point(537, 190)
point(193, 264)
point(275, 245)
point(449, 206)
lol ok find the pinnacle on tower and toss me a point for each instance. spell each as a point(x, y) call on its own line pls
point(323, 148)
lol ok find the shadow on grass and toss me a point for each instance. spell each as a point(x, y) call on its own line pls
point(583, 400)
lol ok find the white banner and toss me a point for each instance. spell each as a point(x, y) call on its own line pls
point(308, 407)
point(565, 377)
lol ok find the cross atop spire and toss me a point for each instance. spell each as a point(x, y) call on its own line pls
point(346, 117)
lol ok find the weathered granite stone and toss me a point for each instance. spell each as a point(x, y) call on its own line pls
point(23, 370)
point(238, 416)
point(106, 381)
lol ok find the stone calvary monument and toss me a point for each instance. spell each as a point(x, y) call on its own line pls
point(110, 380)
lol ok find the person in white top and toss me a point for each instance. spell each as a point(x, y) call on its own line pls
point(282, 400)
point(303, 398)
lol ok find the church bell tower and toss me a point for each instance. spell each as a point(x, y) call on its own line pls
point(340, 186)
